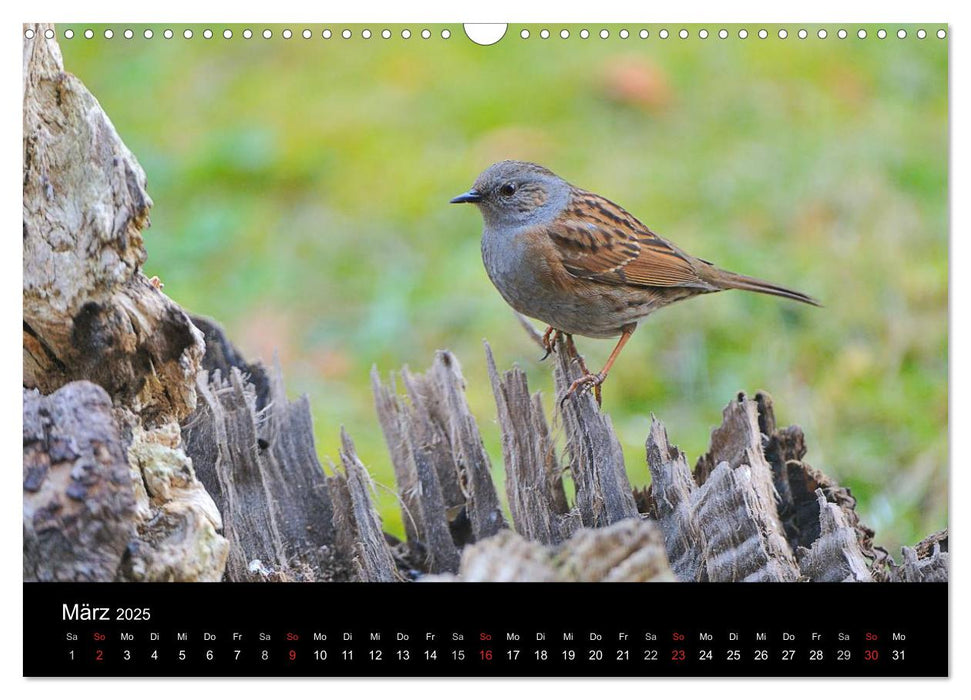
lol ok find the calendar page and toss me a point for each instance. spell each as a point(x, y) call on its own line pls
point(356, 350)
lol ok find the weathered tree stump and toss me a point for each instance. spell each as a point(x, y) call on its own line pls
point(90, 315)
point(154, 451)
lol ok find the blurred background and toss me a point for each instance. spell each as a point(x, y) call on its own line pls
point(301, 190)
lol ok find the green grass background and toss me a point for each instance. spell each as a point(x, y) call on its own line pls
point(301, 192)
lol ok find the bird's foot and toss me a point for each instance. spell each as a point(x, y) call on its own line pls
point(584, 384)
point(550, 338)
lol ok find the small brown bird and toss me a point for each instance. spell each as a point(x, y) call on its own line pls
point(582, 264)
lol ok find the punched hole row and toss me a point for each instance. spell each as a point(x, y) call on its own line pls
point(245, 34)
point(781, 33)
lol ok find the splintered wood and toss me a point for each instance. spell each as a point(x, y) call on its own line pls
point(257, 459)
point(737, 534)
point(442, 469)
point(358, 525)
point(752, 510)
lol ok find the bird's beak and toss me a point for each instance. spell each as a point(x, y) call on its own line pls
point(469, 197)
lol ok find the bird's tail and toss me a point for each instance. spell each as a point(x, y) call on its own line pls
point(732, 280)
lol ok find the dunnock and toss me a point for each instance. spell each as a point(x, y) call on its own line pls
point(580, 263)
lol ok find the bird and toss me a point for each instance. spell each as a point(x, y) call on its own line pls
point(582, 264)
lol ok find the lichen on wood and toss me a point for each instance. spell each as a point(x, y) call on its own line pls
point(79, 502)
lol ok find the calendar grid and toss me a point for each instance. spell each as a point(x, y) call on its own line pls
point(481, 630)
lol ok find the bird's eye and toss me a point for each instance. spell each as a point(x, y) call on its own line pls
point(508, 190)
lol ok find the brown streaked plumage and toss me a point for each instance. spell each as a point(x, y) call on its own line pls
point(581, 263)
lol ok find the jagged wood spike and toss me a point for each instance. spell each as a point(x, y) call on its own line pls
point(221, 438)
point(929, 560)
point(745, 539)
point(534, 488)
point(836, 553)
point(357, 519)
point(254, 451)
point(933, 567)
point(427, 419)
point(471, 459)
point(406, 477)
point(671, 490)
point(604, 493)
point(411, 442)
point(728, 529)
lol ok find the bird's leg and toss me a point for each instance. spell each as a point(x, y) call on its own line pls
point(572, 349)
point(550, 336)
point(589, 380)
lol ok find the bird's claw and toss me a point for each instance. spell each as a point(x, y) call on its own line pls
point(583, 384)
point(549, 341)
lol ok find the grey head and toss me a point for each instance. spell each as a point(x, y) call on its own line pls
point(516, 194)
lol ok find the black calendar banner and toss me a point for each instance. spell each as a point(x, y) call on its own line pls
point(337, 630)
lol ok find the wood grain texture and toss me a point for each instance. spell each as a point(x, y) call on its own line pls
point(358, 525)
point(735, 503)
point(836, 554)
point(671, 491)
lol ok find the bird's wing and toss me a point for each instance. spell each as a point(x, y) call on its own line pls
point(597, 239)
